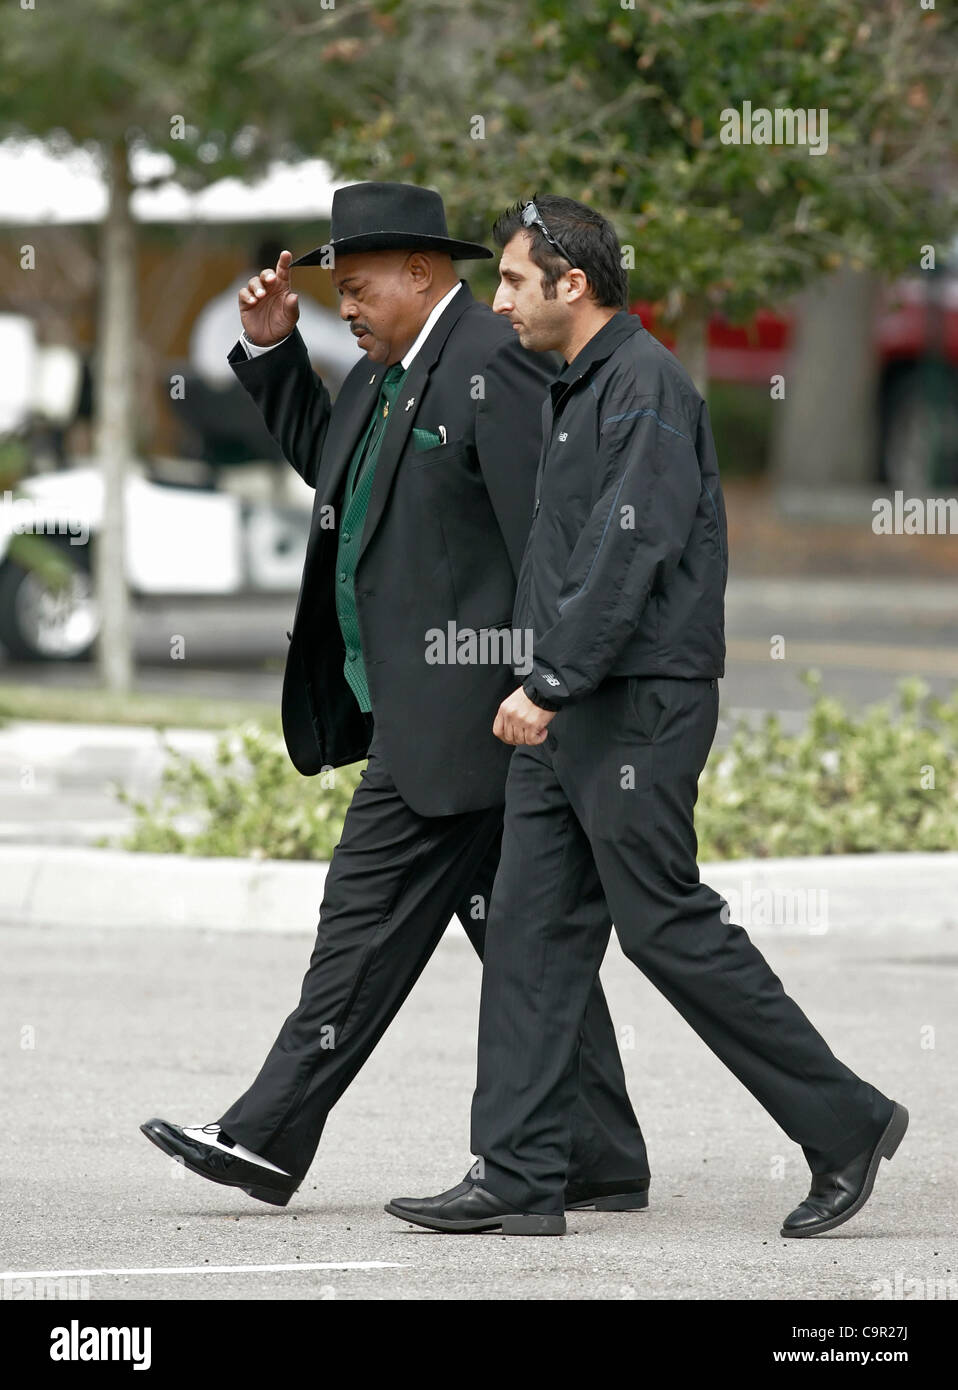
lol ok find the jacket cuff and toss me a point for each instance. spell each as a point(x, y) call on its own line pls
point(533, 693)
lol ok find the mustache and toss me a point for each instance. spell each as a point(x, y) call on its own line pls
point(357, 328)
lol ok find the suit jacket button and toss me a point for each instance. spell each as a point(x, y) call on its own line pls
point(342, 576)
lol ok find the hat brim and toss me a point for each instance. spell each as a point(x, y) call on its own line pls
point(393, 241)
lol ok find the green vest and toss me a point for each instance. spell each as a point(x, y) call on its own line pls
point(359, 486)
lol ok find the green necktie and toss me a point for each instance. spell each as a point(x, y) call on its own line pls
point(389, 390)
point(359, 483)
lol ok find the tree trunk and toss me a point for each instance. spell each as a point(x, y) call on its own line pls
point(827, 432)
point(691, 344)
point(114, 437)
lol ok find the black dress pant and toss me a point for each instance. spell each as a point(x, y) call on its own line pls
point(606, 804)
point(394, 881)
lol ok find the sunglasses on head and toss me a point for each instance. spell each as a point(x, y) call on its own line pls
point(532, 218)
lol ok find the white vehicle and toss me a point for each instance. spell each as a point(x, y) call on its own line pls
point(180, 542)
point(246, 534)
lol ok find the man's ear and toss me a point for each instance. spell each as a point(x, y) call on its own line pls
point(577, 286)
point(419, 267)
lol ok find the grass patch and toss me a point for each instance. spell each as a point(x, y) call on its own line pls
point(78, 706)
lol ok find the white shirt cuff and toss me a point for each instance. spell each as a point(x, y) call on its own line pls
point(257, 349)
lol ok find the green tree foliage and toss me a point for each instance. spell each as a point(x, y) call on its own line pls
point(250, 83)
point(219, 87)
point(622, 106)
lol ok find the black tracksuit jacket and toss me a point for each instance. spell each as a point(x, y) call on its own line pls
point(625, 567)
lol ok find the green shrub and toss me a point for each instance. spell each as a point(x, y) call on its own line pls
point(884, 779)
point(251, 803)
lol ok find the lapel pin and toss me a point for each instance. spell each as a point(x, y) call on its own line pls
point(442, 434)
point(372, 379)
point(411, 402)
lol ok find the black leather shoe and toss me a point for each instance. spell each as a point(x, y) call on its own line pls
point(834, 1197)
point(627, 1194)
point(228, 1169)
point(470, 1207)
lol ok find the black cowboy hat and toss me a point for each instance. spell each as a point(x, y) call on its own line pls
point(387, 216)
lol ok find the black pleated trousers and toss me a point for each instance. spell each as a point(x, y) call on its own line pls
point(394, 882)
point(606, 806)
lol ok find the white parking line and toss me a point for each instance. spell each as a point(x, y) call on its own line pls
point(199, 1269)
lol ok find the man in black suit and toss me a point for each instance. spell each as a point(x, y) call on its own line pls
point(424, 472)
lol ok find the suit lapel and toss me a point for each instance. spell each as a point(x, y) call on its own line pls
point(404, 412)
point(350, 418)
point(351, 413)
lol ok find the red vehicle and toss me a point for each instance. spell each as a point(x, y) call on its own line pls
point(917, 344)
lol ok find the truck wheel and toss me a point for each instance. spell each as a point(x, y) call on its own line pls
point(40, 622)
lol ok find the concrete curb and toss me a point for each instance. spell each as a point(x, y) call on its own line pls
point(44, 886)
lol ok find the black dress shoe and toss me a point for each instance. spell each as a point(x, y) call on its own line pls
point(228, 1169)
point(834, 1197)
point(470, 1207)
point(626, 1194)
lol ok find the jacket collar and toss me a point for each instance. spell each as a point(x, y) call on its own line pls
point(600, 346)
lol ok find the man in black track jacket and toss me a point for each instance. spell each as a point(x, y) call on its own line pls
point(621, 589)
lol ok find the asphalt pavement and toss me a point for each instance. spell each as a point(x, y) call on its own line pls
point(104, 1028)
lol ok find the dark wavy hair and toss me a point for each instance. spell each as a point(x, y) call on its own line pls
point(585, 234)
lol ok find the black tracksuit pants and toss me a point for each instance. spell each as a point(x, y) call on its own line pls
point(394, 881)
point(607, 804)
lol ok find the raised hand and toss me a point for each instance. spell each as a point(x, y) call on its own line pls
point(269, 310)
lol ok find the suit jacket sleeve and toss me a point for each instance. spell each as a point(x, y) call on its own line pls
point(291, 398)
point(509, 436)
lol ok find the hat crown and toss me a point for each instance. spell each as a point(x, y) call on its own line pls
point(389, 216)
point(360, 209)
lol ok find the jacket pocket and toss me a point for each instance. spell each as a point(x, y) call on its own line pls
point(442, 453)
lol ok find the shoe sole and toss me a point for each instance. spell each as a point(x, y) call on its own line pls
point(272, 1195)
point(622, 1201)
point(885, 1148)
point(519, 1225)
